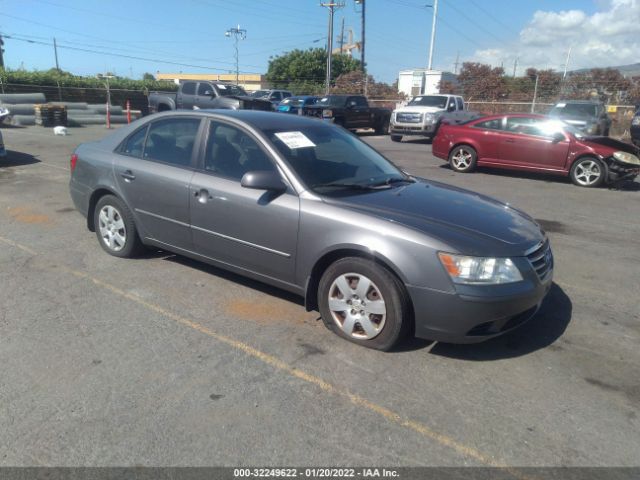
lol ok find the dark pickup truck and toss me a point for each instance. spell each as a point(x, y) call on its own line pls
point(206, 94)
point(351, 112)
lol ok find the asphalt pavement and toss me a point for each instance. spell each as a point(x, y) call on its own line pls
point(165, 361)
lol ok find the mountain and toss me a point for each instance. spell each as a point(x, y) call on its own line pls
point(628, 71)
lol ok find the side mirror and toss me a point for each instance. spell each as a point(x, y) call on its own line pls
point(451, 108)
point(558, 137)
point(263, 180)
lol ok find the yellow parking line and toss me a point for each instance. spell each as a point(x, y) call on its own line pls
point(275, 362)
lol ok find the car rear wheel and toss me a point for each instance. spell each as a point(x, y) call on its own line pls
point(115, 228)
point(363, 302)
point(396, 138)
point(463, 159)
point(588, 172)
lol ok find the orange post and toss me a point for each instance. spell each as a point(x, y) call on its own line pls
point(128, 111)
point(108, 116)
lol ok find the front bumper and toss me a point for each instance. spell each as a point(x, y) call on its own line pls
point(477, 314)
point(412, 129)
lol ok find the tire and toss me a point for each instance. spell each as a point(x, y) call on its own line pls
point(463, 158)
point(115, 228)
point(383, 127)
point(387, 321)
point(588, 172)
point(396, 138)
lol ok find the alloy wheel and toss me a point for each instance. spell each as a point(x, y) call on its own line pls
point(461, 160)
point(588, 173)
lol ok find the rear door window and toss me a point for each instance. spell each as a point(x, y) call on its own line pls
point(189, 88)
point(171, 140)
point(460, 103)
point(133, 145)
point(205, 89)
point(494, 124)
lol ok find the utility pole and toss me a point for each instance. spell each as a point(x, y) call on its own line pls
point(331, 6)
point(455, 65)
point(1, 52)
point(238, 34)
point(363, 65)
point(55, 51)
point(535, 94)
point(433, 33)
point(342, 36)
point(566, 64)
point(515, 65)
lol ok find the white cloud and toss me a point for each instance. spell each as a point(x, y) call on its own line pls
point(606, 38)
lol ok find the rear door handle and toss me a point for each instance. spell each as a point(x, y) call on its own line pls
point(128, 175)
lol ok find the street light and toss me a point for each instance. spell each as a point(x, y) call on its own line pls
point(238, 34)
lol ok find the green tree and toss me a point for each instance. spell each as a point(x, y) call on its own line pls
point(351, 82)
point(148, 77)
point(304, 71)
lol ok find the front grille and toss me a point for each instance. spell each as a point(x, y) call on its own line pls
point(408, 117)
point(541, 259)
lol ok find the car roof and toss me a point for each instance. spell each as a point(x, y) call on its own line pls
point(265, 120)
point(585, 102)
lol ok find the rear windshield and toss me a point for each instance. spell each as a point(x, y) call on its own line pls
point(226, 90)
point(335, 101)
point(574, 110)
point(429, 101)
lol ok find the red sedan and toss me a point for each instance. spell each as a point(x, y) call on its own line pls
point(536, 143)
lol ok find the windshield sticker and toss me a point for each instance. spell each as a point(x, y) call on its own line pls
point(324, 99)
point(222, 87)
point(561, 105)
point(418, 99)
point(295, 140)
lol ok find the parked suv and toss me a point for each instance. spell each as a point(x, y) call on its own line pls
point(586, 115)
point(423, 114)
point(274, 96)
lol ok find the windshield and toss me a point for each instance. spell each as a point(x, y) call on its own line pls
point(327, 159)
point(429, 101)
point(260, 94)
point(574, 110)
point(226, 90)
point(334, 101)
point(292, 101)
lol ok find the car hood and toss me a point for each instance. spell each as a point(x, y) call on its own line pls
point(606, 146)
point(419, 109)
point(474, 223)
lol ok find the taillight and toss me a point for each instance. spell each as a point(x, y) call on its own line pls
point(73, 161)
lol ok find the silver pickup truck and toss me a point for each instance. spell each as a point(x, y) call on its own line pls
point(194, 95)
point(423, 114)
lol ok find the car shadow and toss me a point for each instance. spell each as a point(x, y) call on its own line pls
point(17, 159)
point(227, 275)
point(541, 331)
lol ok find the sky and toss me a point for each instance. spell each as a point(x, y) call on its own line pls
point(131, 37)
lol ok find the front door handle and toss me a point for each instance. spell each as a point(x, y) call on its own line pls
point(128, 175)
point(509, 140)
point(202, 195)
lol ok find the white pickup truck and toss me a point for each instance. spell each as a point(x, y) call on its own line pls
point(423, 114)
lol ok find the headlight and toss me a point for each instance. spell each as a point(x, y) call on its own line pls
point(429, 118)
point(327, 113)
point(479, 270)
point(625, 157)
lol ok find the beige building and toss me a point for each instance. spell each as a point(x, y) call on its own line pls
point(248, 81)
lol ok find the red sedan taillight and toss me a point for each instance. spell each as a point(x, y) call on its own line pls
point(73, 161)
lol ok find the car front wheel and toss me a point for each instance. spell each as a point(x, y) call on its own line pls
point(115, 228)
point(363, 302)
point(588, 172)
point(463, 159)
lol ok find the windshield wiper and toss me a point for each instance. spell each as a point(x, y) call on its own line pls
point(392, 180)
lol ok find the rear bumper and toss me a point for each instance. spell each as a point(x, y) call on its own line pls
point(457, 318)
point(80, 197)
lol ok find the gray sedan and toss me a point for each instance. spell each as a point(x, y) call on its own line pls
point(308, 207)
